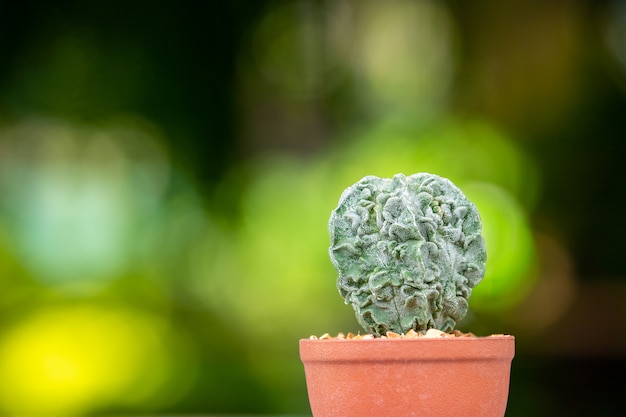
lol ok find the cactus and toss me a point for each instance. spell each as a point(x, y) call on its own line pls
point(408, 251)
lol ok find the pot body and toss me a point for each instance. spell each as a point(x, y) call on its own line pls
point(430, 377)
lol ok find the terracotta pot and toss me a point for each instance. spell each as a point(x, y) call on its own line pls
point(433, 377)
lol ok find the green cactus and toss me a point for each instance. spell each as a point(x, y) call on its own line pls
point(408, 251)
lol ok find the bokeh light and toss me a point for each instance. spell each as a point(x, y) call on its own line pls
point(614, 36)
point(81, 213)
point(404, 56)
point(75, 196)
point(511, 252)
point(67, 360)
point(299, 47)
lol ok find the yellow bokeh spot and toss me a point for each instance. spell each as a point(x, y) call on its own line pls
point(70, 360)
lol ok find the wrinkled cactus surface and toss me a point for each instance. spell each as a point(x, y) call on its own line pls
point(408, 251)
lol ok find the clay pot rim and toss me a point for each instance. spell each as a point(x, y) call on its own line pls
point(419, 348)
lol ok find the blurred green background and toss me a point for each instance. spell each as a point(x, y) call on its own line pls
point(167, 171)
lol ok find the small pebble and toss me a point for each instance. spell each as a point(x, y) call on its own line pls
point(411, 334)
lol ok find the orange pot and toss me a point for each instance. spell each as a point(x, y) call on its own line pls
point(430, 377)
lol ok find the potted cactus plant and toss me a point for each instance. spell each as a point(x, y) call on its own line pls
point(408, 251)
